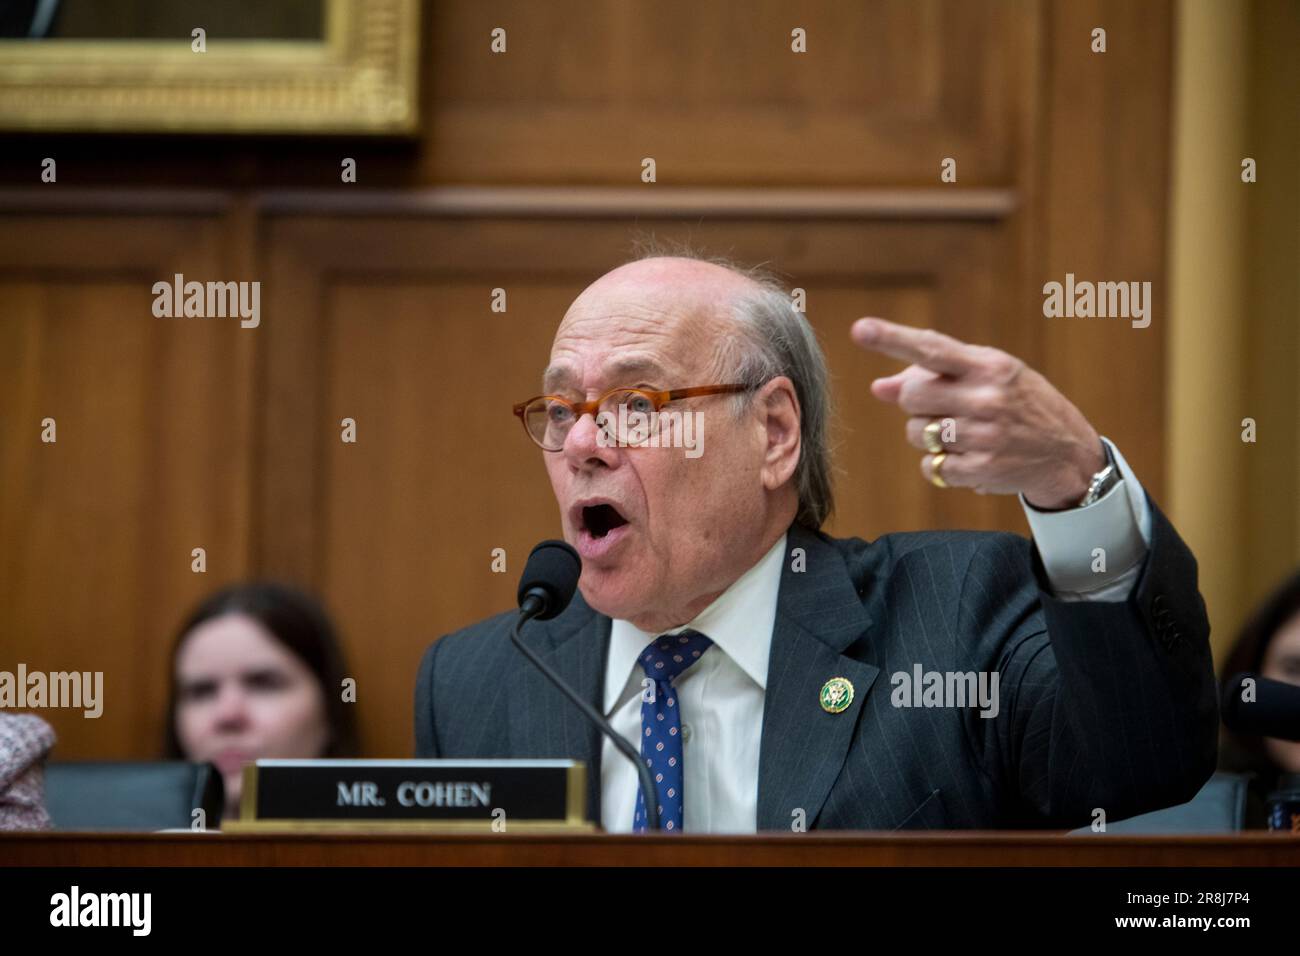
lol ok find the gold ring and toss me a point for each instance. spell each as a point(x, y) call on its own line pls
point(936, 462)
point(930, 434)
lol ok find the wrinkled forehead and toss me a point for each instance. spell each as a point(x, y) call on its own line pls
point(637, 333)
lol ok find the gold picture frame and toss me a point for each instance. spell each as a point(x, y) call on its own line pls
point(362, 78)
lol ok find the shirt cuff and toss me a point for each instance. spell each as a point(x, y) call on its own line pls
point(1119, 524)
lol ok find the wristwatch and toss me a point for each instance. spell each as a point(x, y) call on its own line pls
point(1102, 482)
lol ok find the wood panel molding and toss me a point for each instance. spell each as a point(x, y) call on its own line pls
point(551, 202)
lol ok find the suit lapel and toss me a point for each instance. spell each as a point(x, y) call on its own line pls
point(543, 723)
point(819, 614)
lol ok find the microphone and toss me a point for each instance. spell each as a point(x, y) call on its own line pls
point(1274, 712)
point(550, 577)
point(545, 589)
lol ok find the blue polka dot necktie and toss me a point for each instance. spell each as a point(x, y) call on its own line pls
point(661, 727)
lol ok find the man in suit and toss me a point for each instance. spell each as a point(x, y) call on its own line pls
point(778, 678)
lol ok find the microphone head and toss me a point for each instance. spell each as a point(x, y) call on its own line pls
point(1274, 710)
point(552, 573)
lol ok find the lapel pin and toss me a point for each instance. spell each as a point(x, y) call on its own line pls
point(836, 695)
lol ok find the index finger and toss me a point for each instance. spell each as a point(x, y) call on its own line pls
point(925, 347)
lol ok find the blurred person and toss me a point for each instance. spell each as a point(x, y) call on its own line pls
point(1268, 645)
point(25, 741)
point(257, 672)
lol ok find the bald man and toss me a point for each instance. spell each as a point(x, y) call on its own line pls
point(776, 678)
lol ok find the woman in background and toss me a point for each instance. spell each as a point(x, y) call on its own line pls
point(257, 672)
point(1269, 645)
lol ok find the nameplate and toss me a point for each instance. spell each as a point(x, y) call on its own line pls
point(490, 795)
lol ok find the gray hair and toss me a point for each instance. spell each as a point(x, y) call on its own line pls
point(775, 339)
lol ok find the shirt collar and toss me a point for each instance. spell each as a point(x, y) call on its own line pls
point(739, 622)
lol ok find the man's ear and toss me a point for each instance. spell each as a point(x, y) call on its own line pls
point(779, 412)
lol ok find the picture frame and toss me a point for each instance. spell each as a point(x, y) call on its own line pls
point(362, 77)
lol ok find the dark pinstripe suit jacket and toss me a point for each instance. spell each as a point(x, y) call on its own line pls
point(1106, 705)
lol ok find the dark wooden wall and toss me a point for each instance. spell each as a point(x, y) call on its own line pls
point(183, 433)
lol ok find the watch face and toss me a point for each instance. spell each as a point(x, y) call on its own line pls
point(1104, 481)
point(1100, 484)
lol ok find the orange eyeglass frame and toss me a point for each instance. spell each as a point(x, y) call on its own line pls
point(658, 399)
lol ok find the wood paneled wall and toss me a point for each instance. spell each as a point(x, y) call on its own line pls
point(183, 433)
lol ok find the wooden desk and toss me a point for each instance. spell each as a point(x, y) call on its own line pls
point(815, 849)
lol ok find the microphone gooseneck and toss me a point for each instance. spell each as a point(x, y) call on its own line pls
point(545, 589)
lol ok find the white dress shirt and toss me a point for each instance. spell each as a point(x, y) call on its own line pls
point(722, 695)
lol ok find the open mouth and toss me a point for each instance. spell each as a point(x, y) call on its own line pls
point(600, 520)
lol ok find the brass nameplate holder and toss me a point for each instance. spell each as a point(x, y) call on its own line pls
point(503, 796)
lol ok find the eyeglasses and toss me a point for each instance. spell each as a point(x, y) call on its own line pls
point(629, 414)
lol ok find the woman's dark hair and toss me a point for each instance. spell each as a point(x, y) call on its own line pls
point(297, 621)
point(1245, 752)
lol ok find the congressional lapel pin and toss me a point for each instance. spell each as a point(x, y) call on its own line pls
point(837, 694)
